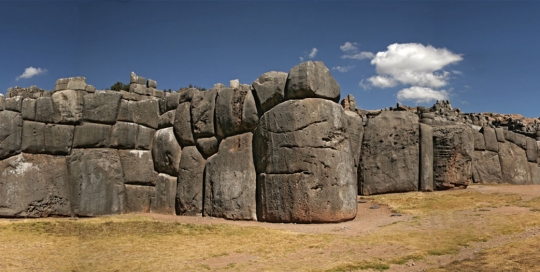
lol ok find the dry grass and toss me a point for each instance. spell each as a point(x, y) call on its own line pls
point(444, 223)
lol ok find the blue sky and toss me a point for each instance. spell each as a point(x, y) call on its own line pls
point(482, 55)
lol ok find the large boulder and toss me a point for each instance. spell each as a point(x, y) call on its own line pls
point(391, 139)
point(230, 180)
point(189, 191)
point(10, 133)
point(202, 113)
point(236, 112)
point(145, 138)
point(486, 167)
point(29, 109)
point(532, 150)
point(208, 146)
point(44, 110)
point(102, 107)
point(269, 90)
point(452, 156)
point(138, 167)
point(124, 135)
point(514, 166)
point(96, 182)
point(311, 80)
point(92, 135)
point(34, 186)
point(47, 138)
point(182, 125)
point(166, 152)
point(490, 139)
point(67, 106)
point(304, 165)
point(164, 195)
point(146, 113)
point(138, 198)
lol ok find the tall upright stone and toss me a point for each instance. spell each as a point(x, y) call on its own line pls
point(189, 191)
point(202, 113)
point(10, 133)
point(426, 158)
point(452, 156)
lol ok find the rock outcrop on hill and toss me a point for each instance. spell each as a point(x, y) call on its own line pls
point(280, 150)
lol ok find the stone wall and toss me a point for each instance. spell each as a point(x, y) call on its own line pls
point(280, 150)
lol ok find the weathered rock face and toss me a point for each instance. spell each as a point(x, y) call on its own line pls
point(189, 192)
point(165, 193)
point(230, 180)
point(101, 107)
point(34, 186)
point(46, 138)
point(10, 133)
point(349, 103)
point(92, 135)
point(391, 140)
point(208, 146)
point(305, 170)
point(453, 147)
point(311, 80)
point(514, 166)
point(426, 158)
point(202, 113)
point(138, 198)
point(490, 139)
point(124, 135)
point(182, 125)
point(486, 167)
point(67, 106)
point(236, 112)
point(166, 152)
point(269, 89)
point(138, 167)
point(96, 182)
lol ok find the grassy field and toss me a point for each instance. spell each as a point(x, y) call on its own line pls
point(499, 229)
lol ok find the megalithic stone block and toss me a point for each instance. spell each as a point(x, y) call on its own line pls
point(67, 106)
point(426, 158)
point(486, 167)
point(491, 139)
point(44, 110)
point(10, 133)
point(102, 107)
point(29, 109)
point(166, 152)
point(269, 89)
point(514, 167)
point(311, 80)
point(452, 156)
point(182, 125)
point(164, 195)
point(236, 112)
point(138, 198)
point(202, 113)
point(189, 191)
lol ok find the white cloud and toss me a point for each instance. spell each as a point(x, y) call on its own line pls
point(343, 69)
point(364, 85)
point(301, 59)
point(457, 72)
point(359, 56)
point(348, 46)
point(313, 53)
point(382, 81)
point(422, 94)
point(30, 72)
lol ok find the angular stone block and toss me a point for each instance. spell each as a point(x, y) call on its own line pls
point(61, 84)
point(10, 133)
point(486, 167)
point(124, 135)
point(138, 198)
point(138, 167)
point(34, 186)
point(514, 166)
point(76, 83)
point(391, 139)
point(136, 79)
point(208, 146)
point(29, 109)
point(125, 111)
point(96, 182)
point(521, 140)
point(47, 138)
point(186, 95)
point(67, 106)
point(90, 89)
point(145, 138)
point(532, 149)
point(426, 158)
point(166, 152)
point(500, 135)
point(269, 89)
point(236, 112)
point(479, 142)
point(452, 157)
point(189, 191)
point(151, 83)
point(92, 135)
point(163, 201)
point(44, 110)
point(491, 139)
point(167, 119)
point(230, 180)
point(102, 107)
point(146, 113)
point(171, 101)
point(13, 103)
point(182, 125)
point(311, 80)
point(509, 136)
point(140, 89)
point(355, 131)
point(202, 113)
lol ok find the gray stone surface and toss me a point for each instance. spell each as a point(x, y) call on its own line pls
point(138, 89)
point(29, 109)
point(236, 112)
point(509, 136)
point(124, 135)
point(166, 152)
point(182, 125)
point(230, 180)
point(46, 138)
point(44, 110)
point(479, 142)
point(426, 158)
point(13, 103)
point(355, 134)
point(146, 113)
point(163, 201)
point(145, 138)
point(514, 166)
point(96, 182)
point(532, 149)
point(125, 111)
point(138, 198)
point(499, 132)
point(76, 83)
point(311, 80)
point(391, 139)
point(61, 84)
point(90, 89)
point(92, 135)
point(269, 90)
point(202, 113)
point(171, 101)
point(189, 192)
point(167, 119)
point(521, 140)
point(34, 186)
point(486, 167)
point(67, 106)
point(452, 157)
point(491, 139)
point(349, 103)
point(134, 78)
point(10, 133)
point(101, 107)
point(138, 167)
point(151, 83)
point(304, 166)
point(208, 146)
point(186, 95)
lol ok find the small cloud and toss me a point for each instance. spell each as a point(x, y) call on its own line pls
point(301, 59)
point(348, 46)
point(382, 81)
point(359, 56)
point(364, 85)
point(343, 69)
point(464, 102)
point(457, 72)
point(31, 72)
point(313, 53)
point(422, 94)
